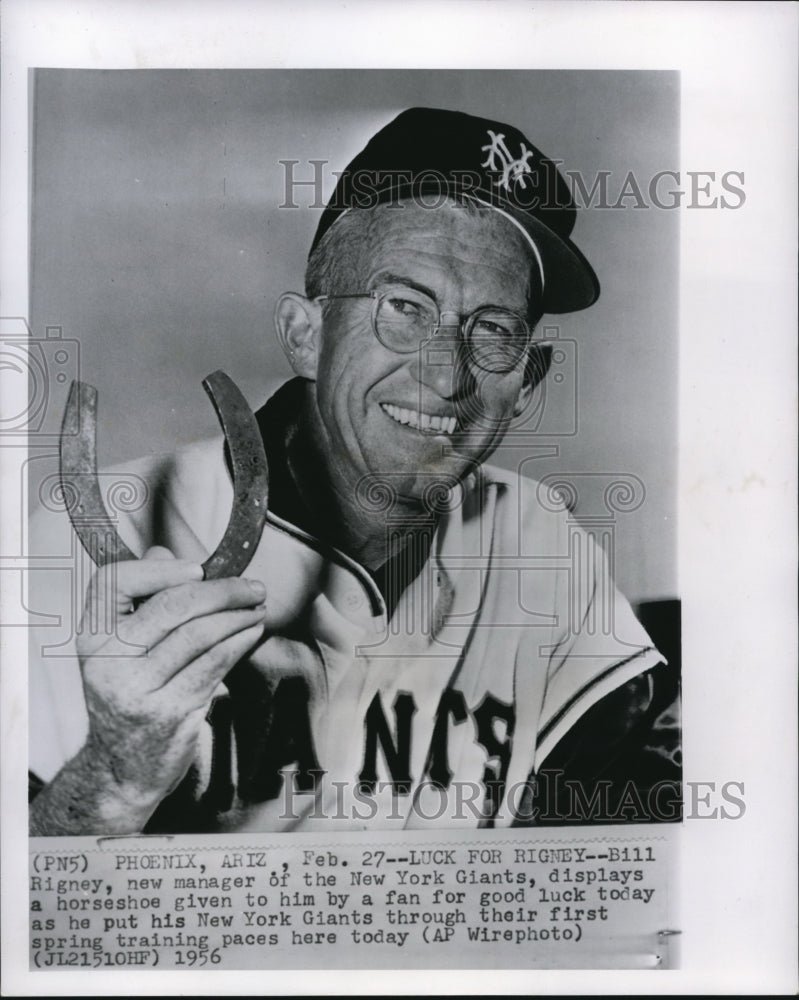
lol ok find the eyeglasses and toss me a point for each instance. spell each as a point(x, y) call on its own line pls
point(403, 319)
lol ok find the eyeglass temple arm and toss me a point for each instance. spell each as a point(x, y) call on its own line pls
point(352, 295)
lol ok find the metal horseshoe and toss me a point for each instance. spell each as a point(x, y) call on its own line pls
point(87, 512)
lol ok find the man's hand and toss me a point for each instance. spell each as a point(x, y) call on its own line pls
point(149, 670)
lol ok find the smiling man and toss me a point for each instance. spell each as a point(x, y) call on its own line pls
point(420, 636)
point(422, 344)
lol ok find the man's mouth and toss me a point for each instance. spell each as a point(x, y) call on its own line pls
point(424, 422)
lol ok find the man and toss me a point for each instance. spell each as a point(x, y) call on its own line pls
point(419, 636)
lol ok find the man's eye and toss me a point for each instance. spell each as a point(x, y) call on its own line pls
point(492, 328)
point(403, 307)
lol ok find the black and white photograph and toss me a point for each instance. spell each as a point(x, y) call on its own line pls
point(414, 635)
point(350, 480)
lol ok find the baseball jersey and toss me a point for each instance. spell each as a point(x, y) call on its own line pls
point(434, 709)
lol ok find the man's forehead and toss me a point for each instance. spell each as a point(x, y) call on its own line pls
point(451, 225)
point(399, 243)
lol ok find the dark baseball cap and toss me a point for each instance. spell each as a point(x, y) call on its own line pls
point(427, 154)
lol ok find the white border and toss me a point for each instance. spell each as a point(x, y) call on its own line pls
point(738, 420)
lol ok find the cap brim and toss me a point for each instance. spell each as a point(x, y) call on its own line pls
point(570, 283)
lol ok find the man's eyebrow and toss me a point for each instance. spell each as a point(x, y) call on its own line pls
point(389, 278)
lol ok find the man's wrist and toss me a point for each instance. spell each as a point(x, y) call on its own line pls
point(85, 797)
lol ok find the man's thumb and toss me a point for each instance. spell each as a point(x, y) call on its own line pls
point(158, 552)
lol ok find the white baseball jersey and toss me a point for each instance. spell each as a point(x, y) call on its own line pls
point(437, 713)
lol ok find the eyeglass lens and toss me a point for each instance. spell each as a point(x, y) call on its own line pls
point(495, 338)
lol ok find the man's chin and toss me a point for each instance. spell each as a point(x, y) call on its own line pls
point(426, 486)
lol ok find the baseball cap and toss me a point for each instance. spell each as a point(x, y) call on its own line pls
point(429, 153)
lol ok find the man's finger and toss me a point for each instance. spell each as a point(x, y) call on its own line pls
point(169, 609)
point(195, 685)
point(189, 642)
point(115, 587)
point(158, 552)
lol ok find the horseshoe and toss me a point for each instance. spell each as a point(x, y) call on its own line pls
point(84, 501)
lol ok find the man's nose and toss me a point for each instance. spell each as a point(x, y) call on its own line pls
point(441, 362)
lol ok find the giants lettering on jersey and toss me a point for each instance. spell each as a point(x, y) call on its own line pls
point(263, 751)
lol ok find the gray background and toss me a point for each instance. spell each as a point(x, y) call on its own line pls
point(158, 244)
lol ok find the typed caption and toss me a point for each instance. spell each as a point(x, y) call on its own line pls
point(558, 900)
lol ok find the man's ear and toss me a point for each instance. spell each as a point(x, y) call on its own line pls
point(298, 322)
point(538, 362)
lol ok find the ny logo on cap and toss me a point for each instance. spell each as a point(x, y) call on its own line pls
point(498, 151)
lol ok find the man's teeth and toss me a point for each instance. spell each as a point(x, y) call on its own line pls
point(421, 421)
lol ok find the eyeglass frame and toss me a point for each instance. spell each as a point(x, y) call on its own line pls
point(377, 296)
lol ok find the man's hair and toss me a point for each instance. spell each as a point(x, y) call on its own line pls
point(341, 251)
